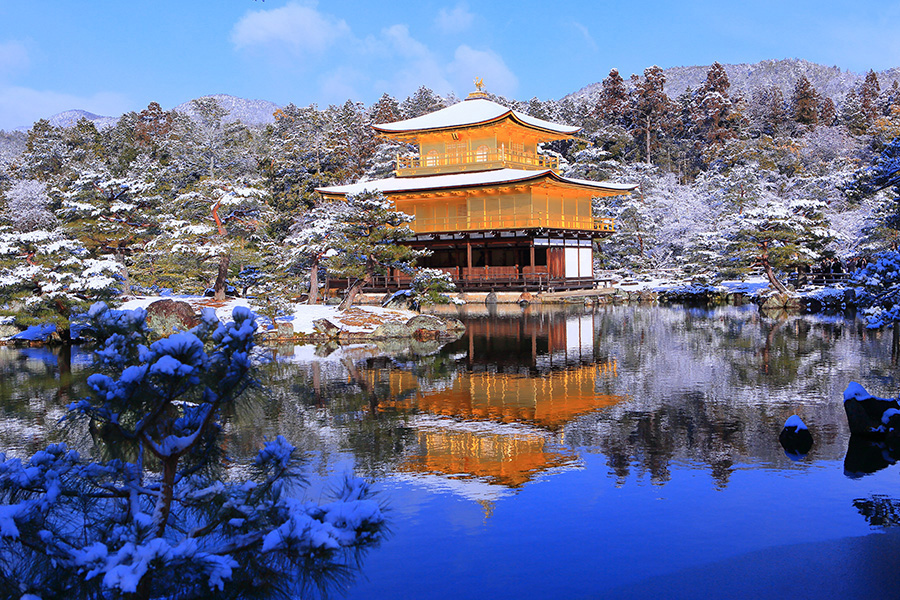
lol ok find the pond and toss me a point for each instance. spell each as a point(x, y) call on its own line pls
point(576, 452)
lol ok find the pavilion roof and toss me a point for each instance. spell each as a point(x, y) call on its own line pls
point(469, 180)
point(468, 113)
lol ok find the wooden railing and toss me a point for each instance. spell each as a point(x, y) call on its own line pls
point(487, 278)
point(526, 221)
point(454, 162)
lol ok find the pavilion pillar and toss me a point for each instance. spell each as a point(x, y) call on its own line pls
point(532, 255)
point(469, 254)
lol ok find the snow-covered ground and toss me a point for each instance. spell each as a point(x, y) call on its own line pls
point(356, 319)
point(751, 285)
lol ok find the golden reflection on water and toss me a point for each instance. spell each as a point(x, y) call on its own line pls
point(538, 407)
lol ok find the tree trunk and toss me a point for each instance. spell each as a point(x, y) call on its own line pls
point(358, 285)
point(314, 282)
point(123, 267)
point(166, 493)
point(770, 273)
point(353, 291)
point(219, 287)
point(648, 140)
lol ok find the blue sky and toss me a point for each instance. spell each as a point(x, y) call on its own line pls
point(109, 57)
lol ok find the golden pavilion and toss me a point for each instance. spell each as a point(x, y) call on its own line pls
point(493, 210)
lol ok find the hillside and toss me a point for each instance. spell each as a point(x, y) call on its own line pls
point(248, 112)
point(828, 81)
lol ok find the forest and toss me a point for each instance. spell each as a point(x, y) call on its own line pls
point(192, 202)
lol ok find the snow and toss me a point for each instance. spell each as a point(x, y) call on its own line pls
point(357, 319)
point(886, 416)
point(795, 422)
point(855, 391)
point(223, 309)
point(480, 178)
point(36, 333)
point(470, 112)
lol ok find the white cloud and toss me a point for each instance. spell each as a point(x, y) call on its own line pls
point(299, 28)
point(454, 20)
point(416, 66)
point(588, 38)
point(340, 85)
point(469, 63)
point(13, 57)
point(21, 106)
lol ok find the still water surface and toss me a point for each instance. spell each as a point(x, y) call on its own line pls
point(568, 452)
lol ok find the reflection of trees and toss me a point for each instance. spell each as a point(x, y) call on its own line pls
point(879, 510)
point(714, 387)
point(36, 385)
point(708, 387)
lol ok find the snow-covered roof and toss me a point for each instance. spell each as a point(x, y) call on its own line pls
point(473, 111)
point(465, 180)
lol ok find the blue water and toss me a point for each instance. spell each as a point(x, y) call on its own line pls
point(578, 452)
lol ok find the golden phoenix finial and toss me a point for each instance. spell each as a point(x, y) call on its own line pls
point(479, 84)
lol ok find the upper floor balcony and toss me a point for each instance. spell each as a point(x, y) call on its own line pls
point(481, 159)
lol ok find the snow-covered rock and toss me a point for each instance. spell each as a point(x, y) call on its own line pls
point(871, 416)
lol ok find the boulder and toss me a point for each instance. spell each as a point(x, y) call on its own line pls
point(870, 416)
point(795, 437)
point(491, 298)
point(392, 329)
point(525, 299)
point(167, 316)
point(442, 327)
point(281, 331)
point(326, 328)
point(778, 302)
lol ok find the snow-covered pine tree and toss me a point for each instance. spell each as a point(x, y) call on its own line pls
point(778, 235)
point(649, 109)
point(162, 516)
point(368, 242)
point(804, 103)
point(315, 233)
point(422, 102)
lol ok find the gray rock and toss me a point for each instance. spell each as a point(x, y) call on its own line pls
point(326, 328)
point(392, 329)
point(427, 327)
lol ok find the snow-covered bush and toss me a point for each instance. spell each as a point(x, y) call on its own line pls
point(880, 294)
point(431, 286)
point(161, 516)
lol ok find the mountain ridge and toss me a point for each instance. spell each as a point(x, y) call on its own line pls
point(744, 77)
point(830, 81)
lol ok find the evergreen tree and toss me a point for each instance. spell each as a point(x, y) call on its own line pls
point(315, 234)
point(827, 112)
point(778, 235)
point(649, 109)
point(162, 517)
point(852, 115)
point(368, 242)
point(805, 103)
point(422, 102)
point(869, 93)
point(386, 110)
point(612, 104)
point(767, 111)
point(714, 115)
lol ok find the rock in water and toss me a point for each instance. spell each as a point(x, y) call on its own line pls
point(868, 415)
point(795, 437)
point(166, 316)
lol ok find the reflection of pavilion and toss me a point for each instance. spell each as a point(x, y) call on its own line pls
point(488, 425)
